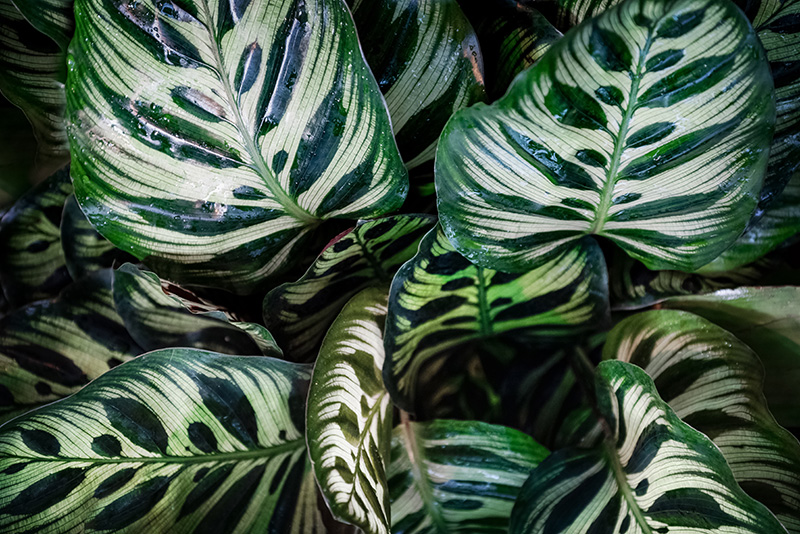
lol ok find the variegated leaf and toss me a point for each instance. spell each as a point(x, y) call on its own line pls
point(649, 125)
point(428, 64)
point(54, 18)
point(513, 37)
point(768, 320)
point(86, 251)
point(632, 285)
point(33, 264)
point(157, 320)
point(177, 441)
point(211, 138)
point(445, 311)
point(652, 473)
point(52, 348)
point(450, 477)
point(33, 70)
point(713, 382)
point(299, 313)
point(349, 415)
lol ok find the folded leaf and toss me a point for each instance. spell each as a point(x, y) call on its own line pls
point(299, 313)
point(349, 415)
point(33, 265)
point(457, 476)
point(178, 441)
point(441, 304)
point(250, 123)
point(649, 125)
point(713, 382)
point(54, 18)
point(653, 473)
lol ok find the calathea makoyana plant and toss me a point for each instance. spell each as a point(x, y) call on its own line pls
point(407, 266)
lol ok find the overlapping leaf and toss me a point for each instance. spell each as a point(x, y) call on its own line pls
point(430, 67)
point(85, 251)
point(513, 37)
point(33, 70)
point(653, 473)
point(349, 415)
point(299, 313)
point(33, 265)
point(713, 382)
point(17, 154)
point(649, 125)
point(54, 18)
point(441, 304)
point(52, 348)
point(457, 476)
point(212, 138)
point(157, 320)
point(768, 320)
point(179, 440)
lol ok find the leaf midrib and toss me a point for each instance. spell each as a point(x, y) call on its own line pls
point(420, 480)
point(619, 142)
point(288, 203)
point(623, 485)
point(206, 458)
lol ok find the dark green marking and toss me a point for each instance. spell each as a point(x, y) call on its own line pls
point(137, 422)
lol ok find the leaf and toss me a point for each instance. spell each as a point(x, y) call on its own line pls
point(713, 381)
point(457, 476)
point(85, 251)
point(157, 320)
point(33, 265)
point(649, 126)
point(32, 75)
point(512, 39)
point(53, 18)
point(17, 154)
point(768, 320)
point(349, 415)
point(215, 445)
point(299, 313)
point(634, 286)
point(52, 348)
point(653, 473)
point(251, 123)
point(429, 68)
point(440, 304)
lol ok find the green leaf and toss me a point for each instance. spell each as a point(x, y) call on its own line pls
point(33, 265)
point(633, 285)
point(653, 473)
point(430, 67)
point(17, 154)
point(441, 304)
point(299, 313)
point(52, 348)
point(713, 382)
point(349, 415)
point(250, 123)
point(179, 440)
point(768, 320)
point(53, 18)
point(649, 125)
point(457, 476)
point(32, 76)
point(512, 39)
point(85, 251)
point(158, 320)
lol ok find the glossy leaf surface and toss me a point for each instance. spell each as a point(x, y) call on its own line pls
point(215, 444)
point(250, 123)
point(349, 415)
point(299, 313)
point(713, 382)
point(649, 125)
point(653, 473)
point(54, 18)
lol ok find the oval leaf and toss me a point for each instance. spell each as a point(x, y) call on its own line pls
point(653, 473)
point(211, 138)
point(633, 127)
point(349, 415)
